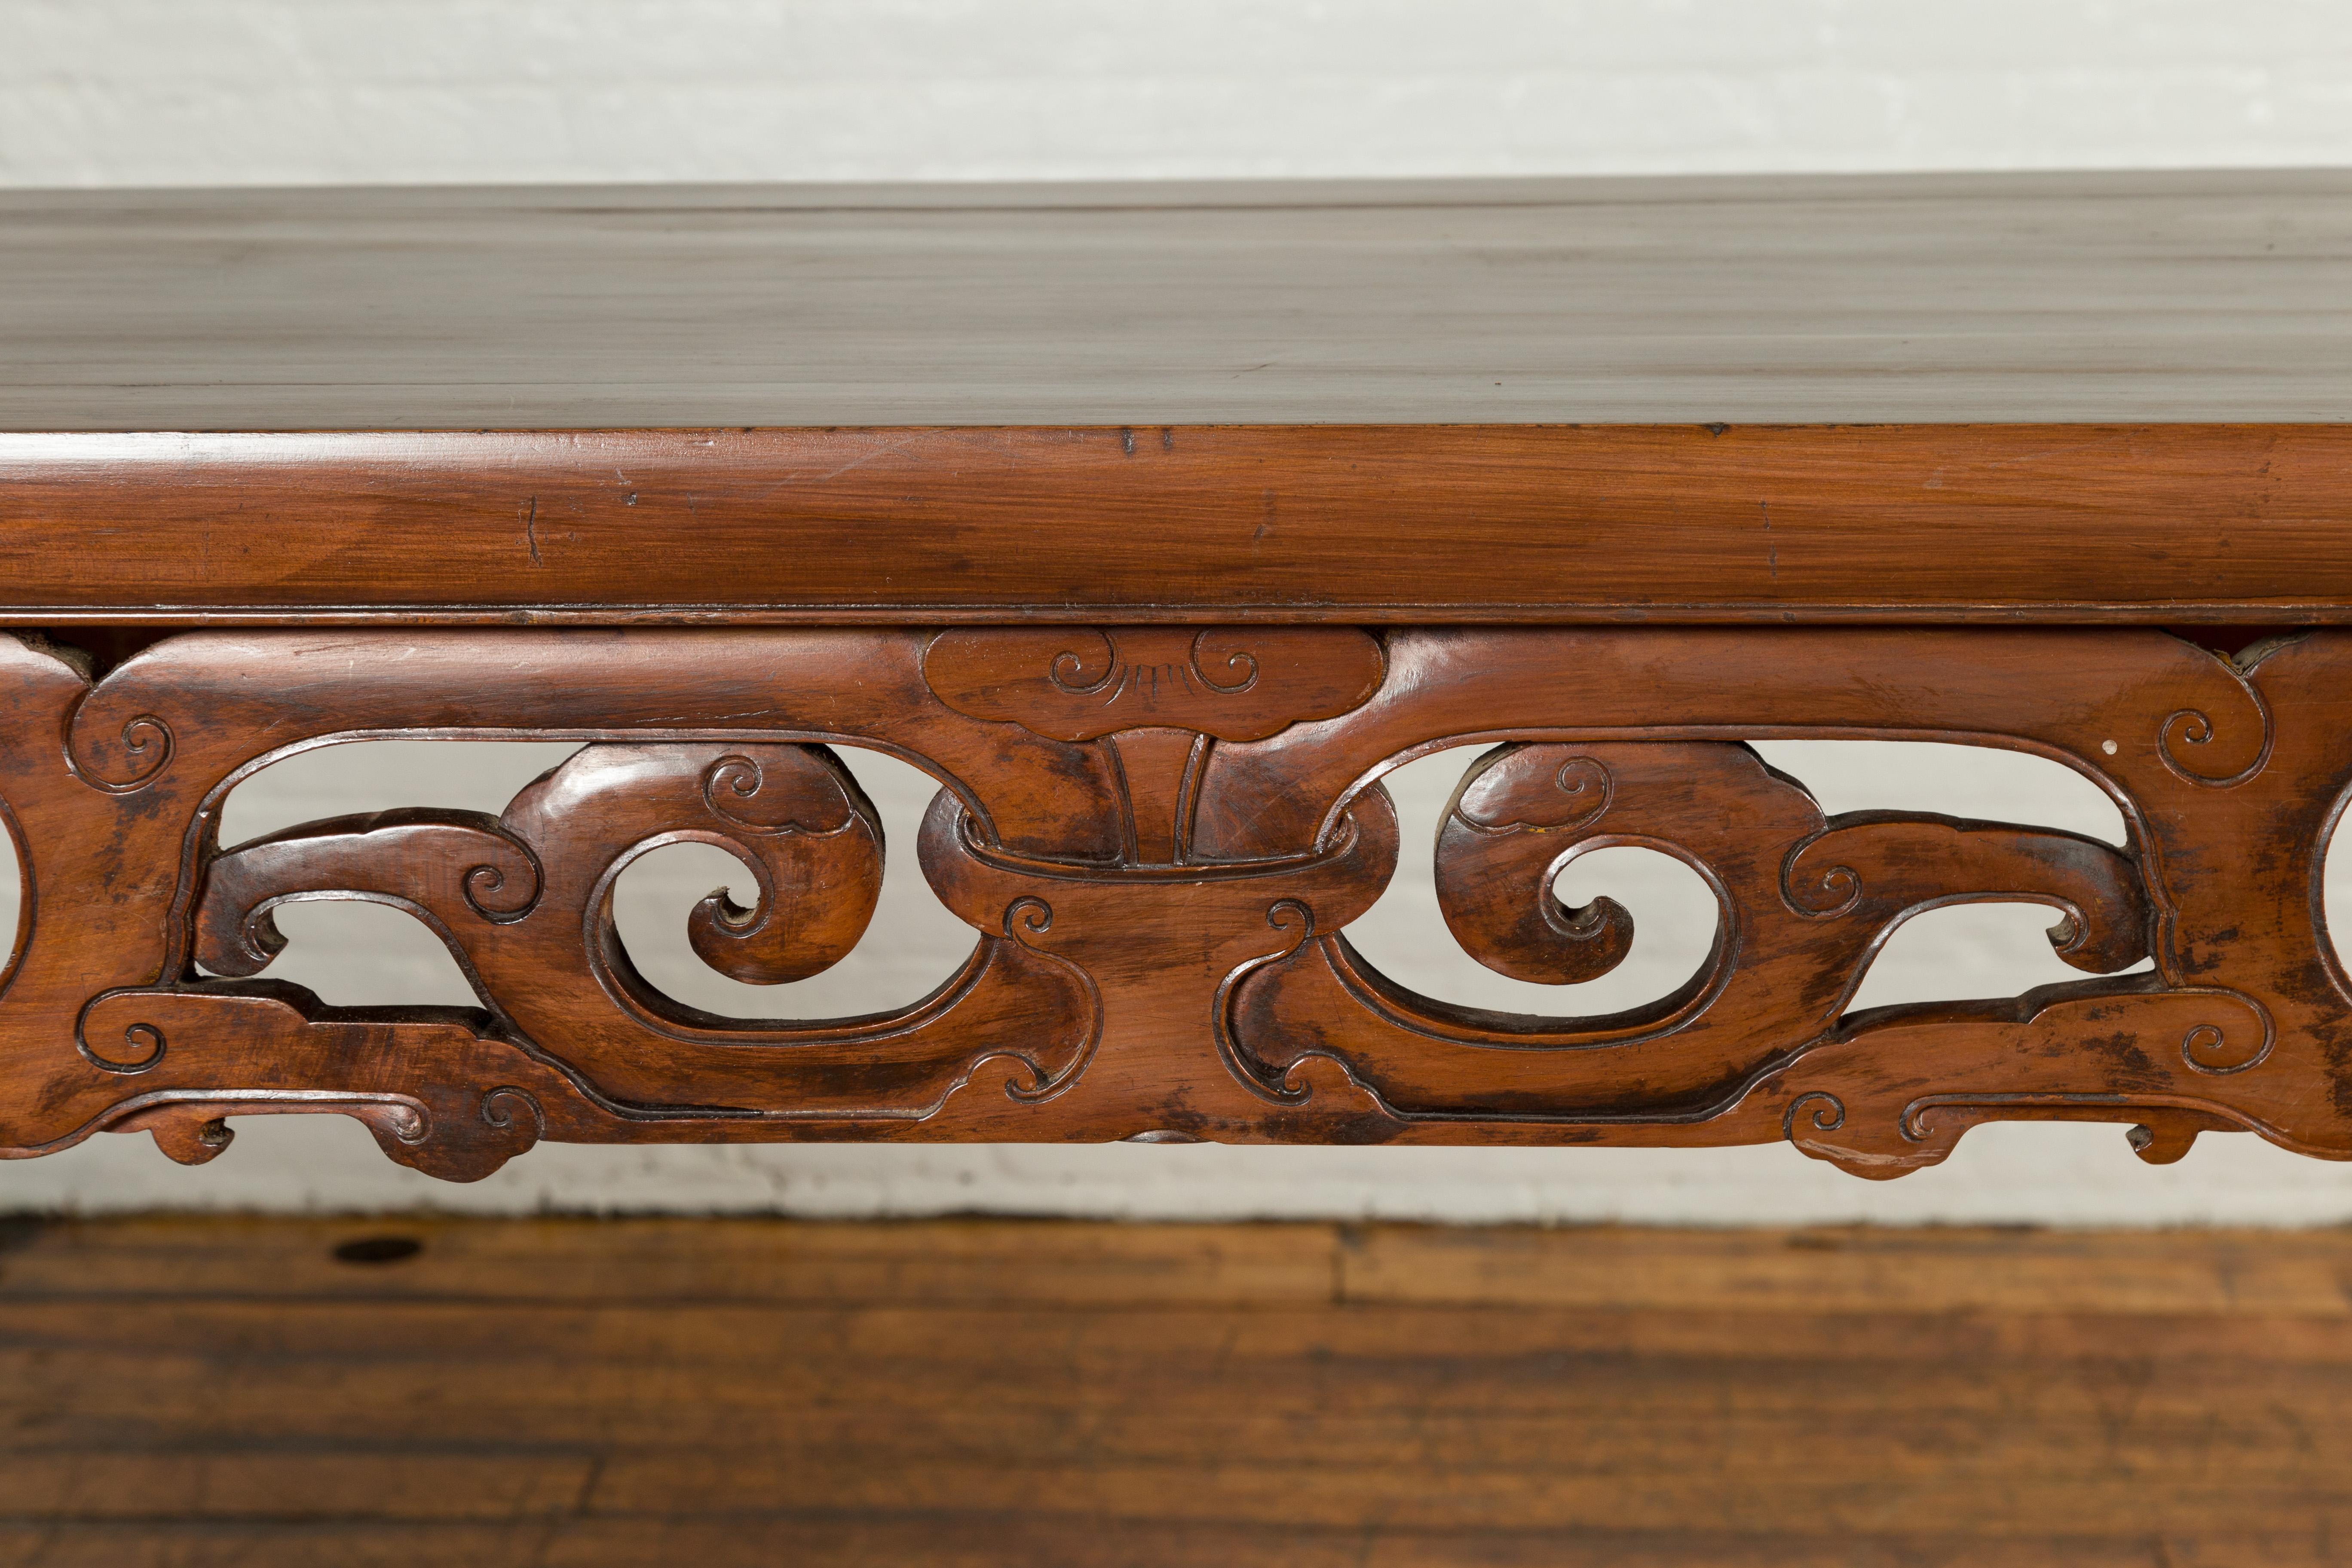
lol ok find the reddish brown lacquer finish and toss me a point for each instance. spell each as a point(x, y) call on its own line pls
point(1158, 837)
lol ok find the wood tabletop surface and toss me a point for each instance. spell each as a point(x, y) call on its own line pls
point(2114, 397)
point(2218, 296)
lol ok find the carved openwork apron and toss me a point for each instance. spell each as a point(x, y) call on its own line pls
point(1158, 837)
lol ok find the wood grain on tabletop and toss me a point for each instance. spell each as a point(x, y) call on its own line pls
point(2211, 296)
point(2083, 396)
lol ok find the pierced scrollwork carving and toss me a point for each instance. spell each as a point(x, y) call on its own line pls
point(406, 1078)
point(1797, 925)
point(1158, 837)
point(1236, 919)
point(2071, 1052)
point(450, 868)
point(811, 841)
point(1872, 867)
point(1505, 811)
point(791, 814)
point(195, 1131)
point(795, 818)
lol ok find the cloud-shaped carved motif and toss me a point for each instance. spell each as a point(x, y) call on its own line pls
point(1236, 683)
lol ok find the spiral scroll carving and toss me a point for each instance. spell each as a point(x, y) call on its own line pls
point(1228, 651)
point(1496, 796)
point(1157, 838)
point(792, 817)
point(1522, 812)
point(135, 758)
point(736, 788)
point(510, 1107)
point(525, 902)
point(2240, 1035)
point(1085, 668)
point(146, 1044)
point(2223, 755)
point(791, 814)
point(1822, 1111)
point(1803, 903)
point(1823, 893)
point(499, 893)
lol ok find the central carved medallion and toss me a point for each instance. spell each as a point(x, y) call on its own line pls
point(1235, 683)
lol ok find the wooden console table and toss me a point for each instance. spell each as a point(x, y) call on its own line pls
point(1157, 525)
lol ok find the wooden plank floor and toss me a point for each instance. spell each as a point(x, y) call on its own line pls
point(192, 1392)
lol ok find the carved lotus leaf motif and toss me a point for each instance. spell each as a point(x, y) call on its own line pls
point(1236, 683)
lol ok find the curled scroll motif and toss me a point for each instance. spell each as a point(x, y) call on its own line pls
point(2197, 750)
point(817, 850)
point(125, 761)
point(1803, 904)
point(447, 867)
point(141, 1050)
point(261, 1049)
point(2144, 711)
point(791, 814)
point(1158, 906)
point(2073, 1052)
point(1236, 683)
point(1499, 816)
point(1872, 867)
point(556, 972)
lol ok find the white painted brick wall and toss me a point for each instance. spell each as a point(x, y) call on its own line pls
point(208, 92)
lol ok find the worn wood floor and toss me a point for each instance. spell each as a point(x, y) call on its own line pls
point(719, 1392)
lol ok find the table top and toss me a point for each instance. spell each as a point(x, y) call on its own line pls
point(2219, 296)
point(2060, 397)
